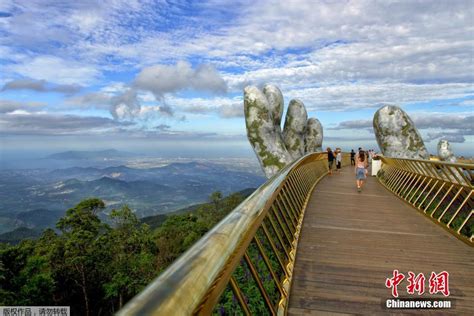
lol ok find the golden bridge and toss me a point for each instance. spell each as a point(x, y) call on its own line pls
point(307, 243)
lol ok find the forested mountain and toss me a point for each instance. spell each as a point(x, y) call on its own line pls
point(96, 267)
point(37, 198)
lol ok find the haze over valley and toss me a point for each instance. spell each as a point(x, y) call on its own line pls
point(37, 197)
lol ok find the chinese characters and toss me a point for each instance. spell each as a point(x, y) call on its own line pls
point(438, 283)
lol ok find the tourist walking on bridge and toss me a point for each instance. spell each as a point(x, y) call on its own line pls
point(360, 169)
point(338, 159)
point(330, 159)
point(353, 162)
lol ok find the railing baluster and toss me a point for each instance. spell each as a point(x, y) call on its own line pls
point(440, 190)
point(275, 250)
point(298, 191)
point(239, 295)
point(442, 199)
point(405, 179)
point(463, 175)
point(294, 195)
point(305, 179)
point(269, 266)
point(287, 237)
point(281, 210)
point(400, 178)
point(460, 207)
point(260, 286)
point(417, 185)
point(289, 206)
point(409, 184)
point(434, 196)
point(300, 183)
point(393, 175)
point(428, 194)
point(450, 203)
point(465, 221)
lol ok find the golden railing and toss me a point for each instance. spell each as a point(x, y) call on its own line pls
point(442, 191)
point(244, 265)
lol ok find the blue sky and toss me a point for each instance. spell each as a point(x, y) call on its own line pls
point(147, 74)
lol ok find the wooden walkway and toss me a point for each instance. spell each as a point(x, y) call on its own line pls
point(351, 242)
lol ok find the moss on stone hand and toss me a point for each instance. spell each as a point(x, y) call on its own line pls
point(272, 160)
point(296, 145)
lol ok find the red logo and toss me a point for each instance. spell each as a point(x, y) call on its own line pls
point(393, 282)
point(438, 283)
point(416, 283)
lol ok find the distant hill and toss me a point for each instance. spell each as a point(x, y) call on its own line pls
point(20, 233)
point(36, 198)
point(17, 235)
point(100, 154)
point(39, 218)
point(156, 220)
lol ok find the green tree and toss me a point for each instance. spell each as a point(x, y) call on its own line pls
point(176, 235)
point(96, 268)
point(13, 259)
point(132, 264)
point(233, 201)
point(215, 198)
point(83, 247)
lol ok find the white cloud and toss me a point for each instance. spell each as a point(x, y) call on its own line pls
point(163, 79)
point(224, 107)
point(231, 111)
point(124, 101)
point(360, 96)
point(56, 70)
point(10, 106)
point(334, 55)
point(27, 123)
point(39, 86)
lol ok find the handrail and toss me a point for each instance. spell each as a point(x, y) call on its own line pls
point(254, 247)
point(441, 190)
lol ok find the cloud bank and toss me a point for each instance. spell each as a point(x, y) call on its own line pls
point(347, 57)
point(40, 86)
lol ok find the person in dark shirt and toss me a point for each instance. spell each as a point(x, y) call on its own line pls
point(330, 159)
point(353, 162)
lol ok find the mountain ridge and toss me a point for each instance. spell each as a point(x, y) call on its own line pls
point(23, 232)
point(90, 154)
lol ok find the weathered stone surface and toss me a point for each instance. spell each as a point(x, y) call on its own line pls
point(313, 139)
point(445, 152)
point(295, 128)
point(263, 113)
point(276, 149)
point(275, 98)
point(397, 135)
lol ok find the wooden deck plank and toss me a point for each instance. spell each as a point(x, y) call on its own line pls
point(351, 242)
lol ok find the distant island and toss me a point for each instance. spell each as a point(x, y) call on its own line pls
point(84, 155)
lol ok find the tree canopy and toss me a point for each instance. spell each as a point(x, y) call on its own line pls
point(96, 267)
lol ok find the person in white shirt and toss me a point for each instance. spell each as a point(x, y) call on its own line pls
point(338, 159)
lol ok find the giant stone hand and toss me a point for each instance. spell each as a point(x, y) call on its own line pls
point(397, 135)
point(276, 149)
point(445, 153)
point(295, 128)
point(314, 136)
